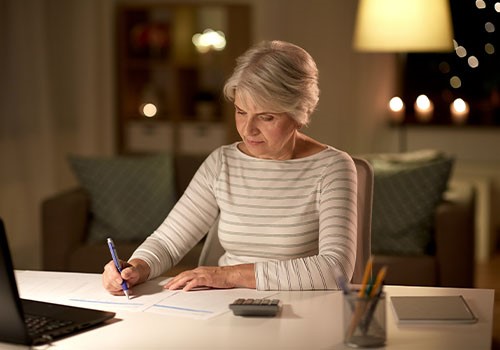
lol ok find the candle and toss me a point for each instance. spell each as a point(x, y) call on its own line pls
point(424, 108)
point(459, 110)
point(397, 110)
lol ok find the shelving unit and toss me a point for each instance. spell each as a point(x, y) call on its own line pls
point(158, 64)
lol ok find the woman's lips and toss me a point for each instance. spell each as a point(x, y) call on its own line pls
point(253, 142)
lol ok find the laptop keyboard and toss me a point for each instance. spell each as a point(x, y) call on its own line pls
point(42, 324)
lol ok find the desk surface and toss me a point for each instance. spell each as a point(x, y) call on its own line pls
point(308, 320)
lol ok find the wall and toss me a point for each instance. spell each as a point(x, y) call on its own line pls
point(56, 98)
point(354, 87)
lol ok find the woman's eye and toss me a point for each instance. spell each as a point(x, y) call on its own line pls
point(240, 112)
point(266, 117)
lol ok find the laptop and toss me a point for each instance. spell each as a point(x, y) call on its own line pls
point(31, 322)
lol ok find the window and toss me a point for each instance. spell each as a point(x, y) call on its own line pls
point(470, 73)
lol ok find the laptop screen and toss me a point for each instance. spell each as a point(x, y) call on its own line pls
point(13, 325)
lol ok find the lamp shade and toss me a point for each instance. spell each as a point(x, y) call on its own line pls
point(403, 26)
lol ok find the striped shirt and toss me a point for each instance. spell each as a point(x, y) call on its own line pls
point(295, 219)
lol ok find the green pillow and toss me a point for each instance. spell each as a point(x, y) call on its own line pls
point(129, 196)
point(405, 198)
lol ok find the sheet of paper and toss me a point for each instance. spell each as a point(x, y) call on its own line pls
point(85, 290)
point(205, 303)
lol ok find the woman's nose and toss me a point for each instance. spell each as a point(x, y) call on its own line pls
point(251, 127)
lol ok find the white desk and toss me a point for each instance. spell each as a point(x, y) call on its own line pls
point(309, 320)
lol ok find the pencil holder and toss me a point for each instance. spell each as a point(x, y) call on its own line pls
point(364, 321)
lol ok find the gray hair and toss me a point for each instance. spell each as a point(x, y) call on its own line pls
point(277, 75)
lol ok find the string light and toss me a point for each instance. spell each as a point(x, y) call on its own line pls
point(489, 48)
point(473, 62)
point(455, 82)
point(489, 27)
point(461, 51)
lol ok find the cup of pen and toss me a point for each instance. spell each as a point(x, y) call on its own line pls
point(364, 320)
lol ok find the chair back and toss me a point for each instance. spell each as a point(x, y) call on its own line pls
point(365, 201)
point(212, 249)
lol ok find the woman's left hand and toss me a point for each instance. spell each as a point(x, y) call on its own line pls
point(214, 277)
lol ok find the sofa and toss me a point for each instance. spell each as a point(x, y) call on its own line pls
point(452, 262)
point(67, 218)
point(422, 223)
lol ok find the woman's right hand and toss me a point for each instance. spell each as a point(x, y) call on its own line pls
point(133, 272)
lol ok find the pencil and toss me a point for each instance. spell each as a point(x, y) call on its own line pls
point(366, 276)
point(378, 281)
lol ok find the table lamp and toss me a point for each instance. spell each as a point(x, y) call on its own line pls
point(403, 26)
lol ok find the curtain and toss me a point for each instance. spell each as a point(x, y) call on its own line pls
point(56, 98)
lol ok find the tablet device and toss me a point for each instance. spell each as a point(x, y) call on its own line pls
point(432, 309)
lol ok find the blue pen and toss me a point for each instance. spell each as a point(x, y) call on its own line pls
point(114, 255)
point(341, 280)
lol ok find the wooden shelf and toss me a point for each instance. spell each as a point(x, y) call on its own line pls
point(157, 63)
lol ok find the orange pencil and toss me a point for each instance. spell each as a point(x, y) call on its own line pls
point(366, 276)
point(378, 281)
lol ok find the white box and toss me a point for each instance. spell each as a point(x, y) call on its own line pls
point(201, 138)
point(149, 136)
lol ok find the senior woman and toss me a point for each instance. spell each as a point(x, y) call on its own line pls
point(286, 203)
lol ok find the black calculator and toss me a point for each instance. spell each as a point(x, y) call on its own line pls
point(255, 307)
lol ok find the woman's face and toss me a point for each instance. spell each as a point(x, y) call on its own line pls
point(266, 135)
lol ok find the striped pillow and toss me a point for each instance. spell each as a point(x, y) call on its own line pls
point(406, 195)
point(130, 196)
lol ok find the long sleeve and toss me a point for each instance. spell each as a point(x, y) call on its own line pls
point(186, 224)
point(336, 240)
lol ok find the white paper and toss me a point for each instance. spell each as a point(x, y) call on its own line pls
point(204, 304)
point(86, 290)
